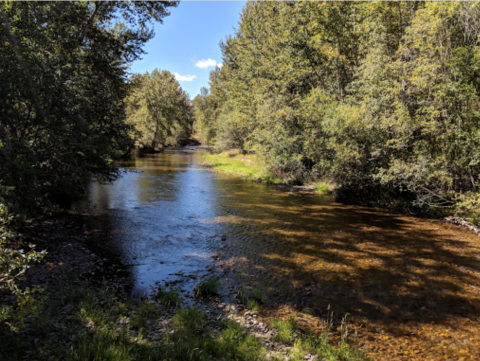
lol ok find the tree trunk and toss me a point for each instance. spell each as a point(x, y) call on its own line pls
point(154, 140)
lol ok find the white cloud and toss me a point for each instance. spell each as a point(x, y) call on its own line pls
point(184, 77)
point(207, 63)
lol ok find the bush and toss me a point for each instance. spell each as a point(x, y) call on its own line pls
point(322, 188)
point(15, 260)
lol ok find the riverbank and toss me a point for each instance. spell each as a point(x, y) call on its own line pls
point(86, 312)
point(251, 167)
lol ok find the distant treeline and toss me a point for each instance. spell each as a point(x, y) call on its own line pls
point(381, 98)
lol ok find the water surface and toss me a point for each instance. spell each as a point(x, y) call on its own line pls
point(401, 279)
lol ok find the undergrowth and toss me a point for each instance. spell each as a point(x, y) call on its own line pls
point(85, 322)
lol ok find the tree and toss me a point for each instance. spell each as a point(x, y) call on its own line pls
point(208, 106)
point(159, 109)
point(379, 97)
point(63, 81)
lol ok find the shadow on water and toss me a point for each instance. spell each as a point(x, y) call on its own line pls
point(405, 278)
point(409, 278)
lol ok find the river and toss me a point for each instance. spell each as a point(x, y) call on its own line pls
point(173, 222)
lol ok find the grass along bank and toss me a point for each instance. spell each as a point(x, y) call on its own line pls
point(252, 167)
point(87, 314)
point(89, 322)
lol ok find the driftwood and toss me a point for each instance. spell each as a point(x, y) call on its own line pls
point(464, 223)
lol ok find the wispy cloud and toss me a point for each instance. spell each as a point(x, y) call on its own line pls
point(207, 63)
point(184, 77)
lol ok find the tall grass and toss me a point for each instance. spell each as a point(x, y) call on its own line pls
point(208, 287)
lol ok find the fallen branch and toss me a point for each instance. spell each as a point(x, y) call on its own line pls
point(464, 223)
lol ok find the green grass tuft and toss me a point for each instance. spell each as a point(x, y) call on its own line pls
point(145, 311)
point(253, 305)
point(258, 295)
point(207, 288)
point(286, 330)
point(171, 298)
point(190, 320)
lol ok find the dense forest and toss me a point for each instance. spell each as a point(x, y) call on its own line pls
point(380, 98)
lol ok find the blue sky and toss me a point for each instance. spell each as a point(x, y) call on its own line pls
point(187, 43)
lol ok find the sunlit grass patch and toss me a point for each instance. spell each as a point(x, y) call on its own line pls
point(286, 330)
point(189, 320)
point(208, 287)
point(245, 165)
point(322, 188)
point(236, 343)
point(253, 306)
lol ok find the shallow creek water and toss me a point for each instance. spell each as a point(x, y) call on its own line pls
point(411, 286)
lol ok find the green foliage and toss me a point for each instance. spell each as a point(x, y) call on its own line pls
point(15, 259)
point(248, 166)
point(63, 74)
point(171, 298)
point(210, 286)
point(381, 98)
point(468, 205)
point(322, 188)
point(253, 305)
point(86, 322)
point(251, 300)
point(145, 311)
point(286, 330)
point(207, 108)
point(258, 295)
point(189, 320)
point(159, 110)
